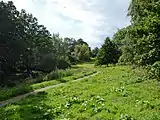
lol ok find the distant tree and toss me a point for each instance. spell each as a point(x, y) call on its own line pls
point(62, 51)
point(82, 52)
point(95, 52)
point(108, 53)
point(81, 42)
point(71, 43)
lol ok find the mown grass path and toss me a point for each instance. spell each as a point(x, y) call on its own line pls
point(18, 98)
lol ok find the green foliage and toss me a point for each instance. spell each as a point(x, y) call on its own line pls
point(154, 70)
point(48, 63)
point(23, 41)
point(18, 90)
point(82, 52)
point(95, 52)
point(63, 64)
point(108, 53)
point(119, 37)
point(139, 42)
point(27, 46)
point(81, 42)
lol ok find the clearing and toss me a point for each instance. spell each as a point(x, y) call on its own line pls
point(116, 93)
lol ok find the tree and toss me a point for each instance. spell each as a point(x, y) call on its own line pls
point(27, 47)
point(95, 52)
point(11, 41)
point(81, 42)
point(140, 42)
point(120, 36)
point(108, 53)
point(62, 49)
point(82, 52)
point(71, 43)
point(24, 44)
point(145, 31)
point(125, 45)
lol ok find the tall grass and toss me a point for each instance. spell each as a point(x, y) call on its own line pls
point(58, 74)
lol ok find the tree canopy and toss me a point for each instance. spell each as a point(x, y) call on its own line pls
point(140, 42)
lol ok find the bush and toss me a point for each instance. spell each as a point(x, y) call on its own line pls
point(154, 70)
point(63, 64)
point(73, 60)
point(48, 63)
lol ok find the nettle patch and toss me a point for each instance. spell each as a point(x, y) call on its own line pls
point(121, 91)
point(94, 105)
point(144, 104)
point(71, 101)
point(126, 117)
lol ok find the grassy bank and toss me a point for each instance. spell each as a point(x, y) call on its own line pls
point(53, 78)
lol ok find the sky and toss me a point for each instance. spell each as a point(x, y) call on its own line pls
point(91, 20)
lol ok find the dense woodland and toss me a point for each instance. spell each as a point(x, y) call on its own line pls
point(28, 49)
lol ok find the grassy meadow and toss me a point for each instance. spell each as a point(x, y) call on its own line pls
point(116, 93)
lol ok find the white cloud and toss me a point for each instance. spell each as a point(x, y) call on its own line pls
point(91, 20)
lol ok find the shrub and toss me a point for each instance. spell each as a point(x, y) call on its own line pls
point(48, 64)
point(63, 64)
point(154, 70)
point(73, 60)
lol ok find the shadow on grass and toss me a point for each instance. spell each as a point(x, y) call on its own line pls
point(75, 67)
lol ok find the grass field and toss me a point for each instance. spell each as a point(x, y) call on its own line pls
point(116, 93)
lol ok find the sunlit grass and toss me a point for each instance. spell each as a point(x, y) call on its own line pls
point(116, 93)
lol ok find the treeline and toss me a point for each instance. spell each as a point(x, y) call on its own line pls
point(27, 48)
point(139, 43)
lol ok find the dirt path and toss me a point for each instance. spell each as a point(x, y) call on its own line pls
point(18, 98)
